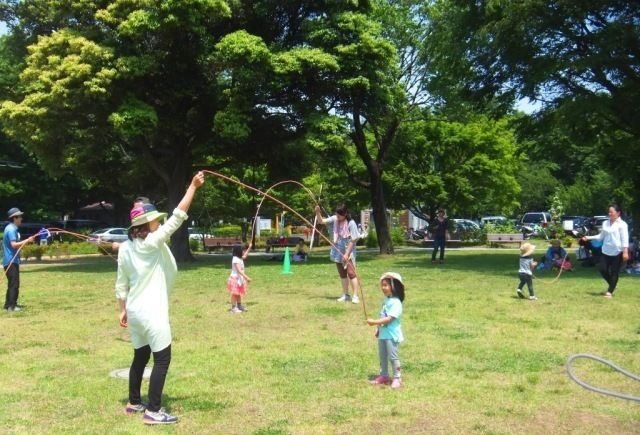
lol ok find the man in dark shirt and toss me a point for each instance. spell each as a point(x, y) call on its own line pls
point(439, 232)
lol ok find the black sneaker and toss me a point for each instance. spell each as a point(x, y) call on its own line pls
point(520, 294)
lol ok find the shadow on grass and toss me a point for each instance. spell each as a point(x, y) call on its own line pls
point(482, 262)
point(488, 262)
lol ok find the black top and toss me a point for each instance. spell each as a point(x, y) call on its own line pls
point(439, 228)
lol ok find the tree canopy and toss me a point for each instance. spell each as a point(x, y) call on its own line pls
point(579, 60)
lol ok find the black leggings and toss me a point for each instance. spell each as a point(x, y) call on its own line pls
point(161, 361)
point(527, 279)
point(610, 270)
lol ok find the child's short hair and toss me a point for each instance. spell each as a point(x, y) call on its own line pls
point(397, 286)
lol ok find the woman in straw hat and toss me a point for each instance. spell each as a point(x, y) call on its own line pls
point(146, 273)
point(525, 271)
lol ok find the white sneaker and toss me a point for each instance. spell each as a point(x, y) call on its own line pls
point(343, 298)
point(355, 299)
point(533, 298)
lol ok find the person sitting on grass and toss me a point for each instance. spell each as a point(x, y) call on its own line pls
point(556, 257)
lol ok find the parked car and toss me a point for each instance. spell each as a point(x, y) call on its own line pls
point(541, 218)
point(197, 234)
point(466, 224)
point(533, 223)
point(493, 220)
point(108, 235)
point(596, 222)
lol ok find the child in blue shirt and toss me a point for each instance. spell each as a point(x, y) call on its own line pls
point(389, 331)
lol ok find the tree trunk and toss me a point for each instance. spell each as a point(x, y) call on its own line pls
point(379, 205)
point(374, 169)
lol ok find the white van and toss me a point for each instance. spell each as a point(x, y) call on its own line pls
point(541, 218)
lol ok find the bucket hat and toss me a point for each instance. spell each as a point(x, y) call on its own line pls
point(396, 283)
point(13, 212)
point(392, 275)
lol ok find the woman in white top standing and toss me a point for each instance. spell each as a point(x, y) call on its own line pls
point(343, 251)
point(615, 247)
point(146, 274)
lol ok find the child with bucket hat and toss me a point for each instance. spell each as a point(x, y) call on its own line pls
point(146, 273)
point(525, 271)
point(389, 329)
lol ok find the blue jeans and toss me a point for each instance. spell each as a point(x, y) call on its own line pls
point(438, 242)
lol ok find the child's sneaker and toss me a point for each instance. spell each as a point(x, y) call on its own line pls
point(236, 310)
point(355, 299)
point(533, 298)
point(380, 380)
point(520, 294)
point(396, 383)
point(343, 298)
point(134, 409)
point(160, 417)
point(242, 308)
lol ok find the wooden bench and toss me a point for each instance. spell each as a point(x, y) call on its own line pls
point(498, 238)
point(282, 242)
point(220, 243)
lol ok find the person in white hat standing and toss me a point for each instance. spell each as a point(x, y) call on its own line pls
point(146, 274)
point(389, 330)
point(11, 260)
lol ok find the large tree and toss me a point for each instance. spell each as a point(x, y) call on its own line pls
point(579, 60)
point(468, 168)
point(378, 88)
point(134, 93)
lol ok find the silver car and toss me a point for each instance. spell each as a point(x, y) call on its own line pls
point(108, 235)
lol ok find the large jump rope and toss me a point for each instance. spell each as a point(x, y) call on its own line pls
point(267, 194)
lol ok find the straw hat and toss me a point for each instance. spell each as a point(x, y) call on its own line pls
point(144, 213)
point(527, 249)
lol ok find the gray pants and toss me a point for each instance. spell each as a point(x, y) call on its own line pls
point(388, 351)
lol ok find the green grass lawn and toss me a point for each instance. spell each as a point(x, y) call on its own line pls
point(476, 358)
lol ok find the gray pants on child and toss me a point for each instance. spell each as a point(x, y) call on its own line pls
point(388, 351)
